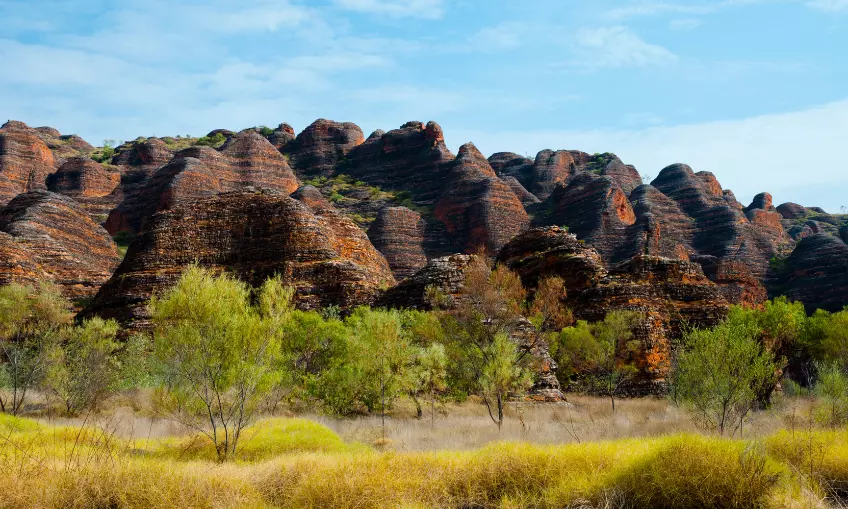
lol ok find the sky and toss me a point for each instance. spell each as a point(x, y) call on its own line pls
point(755, 91)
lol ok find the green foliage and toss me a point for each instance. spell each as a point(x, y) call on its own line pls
point(265, 130)
point(429, 375)
point(105, 153)
point(602, 352)
point(825, 337)
point(211, 141)
point(123, 239)
point(502, 373)
point(219, 354)
point(30, 323)
point(722, 372)
point(832, 390)
point(84, 367)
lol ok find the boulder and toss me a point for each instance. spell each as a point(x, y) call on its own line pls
point(816, 273)
point(91, 184)
point(253, 235)
point(49, 237)
point(446, 274)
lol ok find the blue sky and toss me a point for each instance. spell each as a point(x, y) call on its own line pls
point(755, 91)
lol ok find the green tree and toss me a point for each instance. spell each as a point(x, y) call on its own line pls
point(85, 367)
point(30, 322)
point(721, 372)
point(310, 345)
point(601, 353)
point(502, 374)
point(429, 375)
point(219, 354)
point(832, 390)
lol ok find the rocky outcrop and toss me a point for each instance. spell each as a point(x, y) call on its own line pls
point(667, 294)
point(254, 235)
point(89, 183)
point(281, 136)
point(63, 147)
point(843, 234)
point(446, 274)
point(526, 197)
point(509, 165)
point(412, 158)
point(49, 237)
point(246, 160)
point(398, 233)
point(322, 146)
point(594, 208)
point(816, 273)
point(25, 160)
point(552, 251)
point(792, 210)
point(734, 279)
point(478, 209)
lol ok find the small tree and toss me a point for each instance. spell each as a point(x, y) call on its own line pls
point(721, 372)
point(84, 367)
point(601, 353)
point(502, 374)
point(547, 311)
point(219, 354)
point(30, 322)
point(832, 390)
point(429, 375)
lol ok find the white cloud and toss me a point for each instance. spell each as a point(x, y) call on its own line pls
point(501, 37)
point(790, 155)
point(684, 24)
point(428, 9)
point(617, 47)
point(829, 5)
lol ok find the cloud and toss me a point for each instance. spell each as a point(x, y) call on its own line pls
point(500, 37)
point(617, 47)
point(653, 8)
point(427, 9)
point(684, 24)
point(829, 5)
point(790, 154)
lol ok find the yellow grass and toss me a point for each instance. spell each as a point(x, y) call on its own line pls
point(301, 464)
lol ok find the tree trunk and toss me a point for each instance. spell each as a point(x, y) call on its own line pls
point(432, 409)
point(500, 413)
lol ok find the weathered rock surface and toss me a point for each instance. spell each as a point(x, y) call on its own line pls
point(322, 146)
point(255, 236)
point(412, 158)
point(478, 209)
point(509, 165)
point(281, 136)
point(816, 273)
point(447, 274)
point(398, 233)
point(89, 183)
point(246, 160)
point(25, 160)
point(49, 237)
point(552, 251)
point(594, 208)
point(668, 293)
point(526, 197)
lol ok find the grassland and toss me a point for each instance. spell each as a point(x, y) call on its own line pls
point(301, 463)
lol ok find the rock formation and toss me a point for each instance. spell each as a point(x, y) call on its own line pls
point(245, 160)
point(25, 160)
point(412, 158)
point(478, 209)
point(49, 237)
point(322, 146)
point(446, 274)
point(281, 136)
point(253, 235)
point(89, 183)
point(816, 273)
point(398, 233)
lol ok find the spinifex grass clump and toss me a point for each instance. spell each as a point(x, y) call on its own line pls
point(301, 464)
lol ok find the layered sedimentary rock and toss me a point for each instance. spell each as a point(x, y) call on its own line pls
point(526, 197)
point(281, 136)
point(552, 251)
point(412, 158)
point(246, 160)
point(49, 237)
point(509, 165)
point(25, 160)
point(478, 209)
point(398, 233)
point(446, 274)
point(594, 208)
point(255, 236)
point(719, 228)
point(556, 168)
point(816, 273)
point(63, 147)
point(89, 183)
point(667, 294)
point(322, 146)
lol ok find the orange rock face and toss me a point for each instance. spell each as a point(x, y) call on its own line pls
point(25, 161)
point(49, 237)
point(398, 233)
point(322, 146)
point(91, 184)
point(253, 235)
